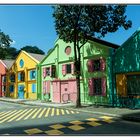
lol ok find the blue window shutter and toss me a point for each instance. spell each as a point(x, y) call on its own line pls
point(30, 75)
point(33, 88)
point(19, 76)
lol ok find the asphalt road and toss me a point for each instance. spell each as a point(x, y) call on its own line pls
point(18, 119)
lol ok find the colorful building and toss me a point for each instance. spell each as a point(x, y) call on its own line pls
point(4, 67)
point(127, 72)
point(22, 76)
point(56, 78)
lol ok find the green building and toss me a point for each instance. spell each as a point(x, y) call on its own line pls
point(56, 78)
point(127, 72)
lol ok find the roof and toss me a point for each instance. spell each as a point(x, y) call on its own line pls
point(8, 63)
point(132, 36)
point(38, 57)
point(109, 44)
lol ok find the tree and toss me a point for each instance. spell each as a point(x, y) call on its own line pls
point(74, 23)
point(5, 40)
point(33, 49)
point(8, 53)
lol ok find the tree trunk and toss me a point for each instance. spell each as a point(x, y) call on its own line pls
point(78, 101)
point(77, 68)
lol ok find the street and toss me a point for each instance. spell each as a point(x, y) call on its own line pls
point(18, 119)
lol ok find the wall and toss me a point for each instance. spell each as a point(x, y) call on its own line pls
point(2, 72)
point(29, 64)
point(88, 51)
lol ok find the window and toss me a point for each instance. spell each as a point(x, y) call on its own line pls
point(133, 82)
point(53, 71)
point(32, 74)
point(11, 88)
point(68, 68)
point(21, 63)
point(21, 76)
point(97, 86)
point(3, 88)
point(12, 77)
point(48, 71)
point(68, 50)
point(3, 79)
point(96, 65)
point(33, 88)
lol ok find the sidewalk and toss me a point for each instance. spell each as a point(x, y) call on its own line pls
point(123, 113)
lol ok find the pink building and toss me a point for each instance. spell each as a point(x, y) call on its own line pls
point(4, 66)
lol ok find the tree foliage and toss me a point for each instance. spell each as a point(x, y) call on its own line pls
point(5, 40)
point(8, 53)
point(74, 23)
point(33, 49)
point(91, 20)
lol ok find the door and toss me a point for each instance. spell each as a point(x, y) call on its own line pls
point(21, 91)
point(64, 92)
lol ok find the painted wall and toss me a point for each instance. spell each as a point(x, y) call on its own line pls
point(29, 65)
point(128, 55)
point(90, 50)
point(2, 73)
point(126, 63)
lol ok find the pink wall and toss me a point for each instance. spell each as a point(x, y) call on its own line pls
point(64, 91)
point(2, 72)
point(56, 92)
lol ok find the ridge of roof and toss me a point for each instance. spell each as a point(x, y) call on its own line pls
point(8, 62)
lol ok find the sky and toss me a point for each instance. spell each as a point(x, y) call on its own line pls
point(34, 25)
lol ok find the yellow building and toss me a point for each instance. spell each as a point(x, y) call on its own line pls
point(22, 76)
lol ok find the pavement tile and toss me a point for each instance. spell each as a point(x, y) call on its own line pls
point(76, 127)
point(106, 117)
point(54, 132)
point(93, 123)
point(33, 131)
point(76, 122)
point(92, 119)
point(57, 126)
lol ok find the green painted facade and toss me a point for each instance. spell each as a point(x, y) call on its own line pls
point(127, 65)
point(91, 50)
